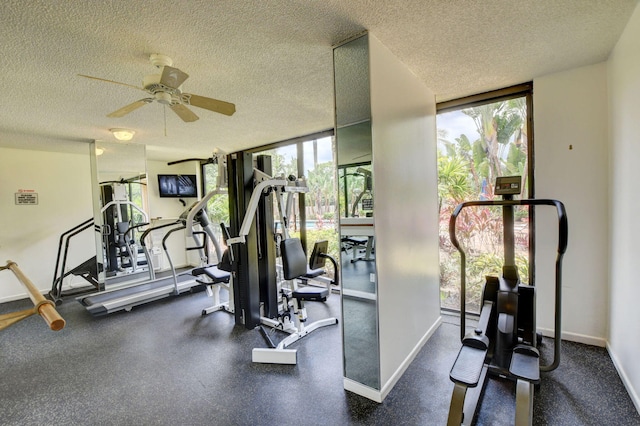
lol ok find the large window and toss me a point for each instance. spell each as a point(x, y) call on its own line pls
point(313, 216)
point(479, 139)
point(218, 204)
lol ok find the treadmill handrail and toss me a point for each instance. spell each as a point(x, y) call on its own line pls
point(166, 252)
point(200, 206)
point(145, 249)
point(562, 248)
point(73, 231)
point(153, 228)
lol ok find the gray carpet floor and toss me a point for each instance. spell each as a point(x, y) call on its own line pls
point(164, 364)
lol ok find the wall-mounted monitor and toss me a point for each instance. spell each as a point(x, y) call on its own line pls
point(178, 186)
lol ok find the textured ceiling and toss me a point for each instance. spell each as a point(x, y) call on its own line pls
point(273, 59)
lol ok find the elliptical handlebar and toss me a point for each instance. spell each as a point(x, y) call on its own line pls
point(563, 232)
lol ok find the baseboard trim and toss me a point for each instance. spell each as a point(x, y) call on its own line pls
point(379, 395)
point(356, 294)
point(386, 388)
point(635, 398)
point(575, 337)
point(15, 297)
point(362, 390)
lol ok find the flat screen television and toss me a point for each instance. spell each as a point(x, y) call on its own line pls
point(177, 186)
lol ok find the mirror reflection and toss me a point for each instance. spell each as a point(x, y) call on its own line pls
point(120, 211)
point(357, 236)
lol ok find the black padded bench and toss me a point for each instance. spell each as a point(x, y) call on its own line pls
point(216, 275)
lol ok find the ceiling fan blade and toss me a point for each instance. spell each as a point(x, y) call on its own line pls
point(131, 107)
point(110, 81)
point(173, 77)
point(183, 112)
point(214, 105)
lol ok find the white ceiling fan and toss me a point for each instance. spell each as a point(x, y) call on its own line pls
point(164, 87)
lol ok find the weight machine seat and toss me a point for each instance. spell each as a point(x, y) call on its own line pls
point(311, 293)
point(294, 265)
point(216, 275)
point(122, 229)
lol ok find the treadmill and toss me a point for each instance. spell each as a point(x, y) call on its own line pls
point(125, 298)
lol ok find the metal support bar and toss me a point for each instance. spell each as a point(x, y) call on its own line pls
point(524, 403)
point(266, 184)
point(251, 208)
point(456, 413)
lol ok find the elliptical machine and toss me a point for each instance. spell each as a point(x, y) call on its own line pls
point(504, 343)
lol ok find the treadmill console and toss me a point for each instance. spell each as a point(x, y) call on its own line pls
point(508, 185)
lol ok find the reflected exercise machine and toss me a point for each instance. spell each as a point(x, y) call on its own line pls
point(504, 344)
point(359, 244)
point(126, 298)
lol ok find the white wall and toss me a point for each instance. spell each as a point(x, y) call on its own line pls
point(624, 100)
point(404, 162)
point(29, 235)
point(571, 163)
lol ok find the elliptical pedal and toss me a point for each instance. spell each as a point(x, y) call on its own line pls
point(525, 363)
point(468, 366)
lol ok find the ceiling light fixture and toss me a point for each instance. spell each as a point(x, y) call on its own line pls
point(123, 134)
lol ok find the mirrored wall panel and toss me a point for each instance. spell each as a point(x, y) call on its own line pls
point(357, 236)
point(120, 211)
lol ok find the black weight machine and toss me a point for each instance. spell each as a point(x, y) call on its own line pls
point(259, 299)
point(504, 344)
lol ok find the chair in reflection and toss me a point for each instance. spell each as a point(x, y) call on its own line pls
point(361, 248)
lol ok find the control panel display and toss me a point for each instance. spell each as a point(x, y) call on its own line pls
point(508, 185)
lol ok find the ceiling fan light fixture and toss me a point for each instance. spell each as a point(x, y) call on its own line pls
point(163, 98)
point(123, 134)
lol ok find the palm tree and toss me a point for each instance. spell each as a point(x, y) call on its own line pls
point(321, 187)
point(453, 182)
point(498, 124)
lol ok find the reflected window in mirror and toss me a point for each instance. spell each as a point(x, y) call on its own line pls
point(356, 191)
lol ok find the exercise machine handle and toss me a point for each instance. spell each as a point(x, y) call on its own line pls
point(561, 211)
